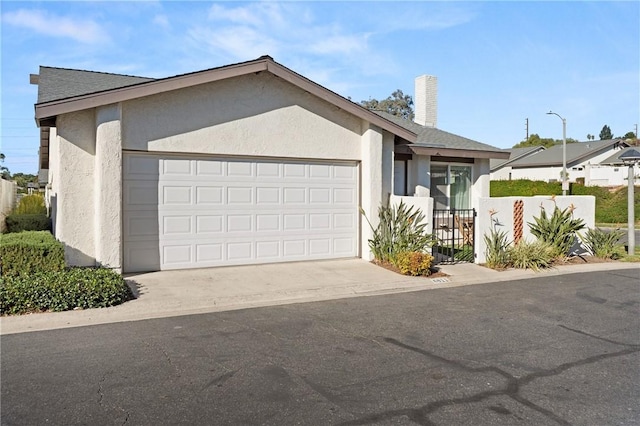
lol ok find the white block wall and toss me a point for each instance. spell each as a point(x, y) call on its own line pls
point(585, 208)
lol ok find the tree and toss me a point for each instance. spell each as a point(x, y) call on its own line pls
point(590, 137)
point(397, 104)
point(24, 179)
point(4, 172)
point(605, 133)
point(535, 140)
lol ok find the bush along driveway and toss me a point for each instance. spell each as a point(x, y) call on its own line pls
point(35, 278)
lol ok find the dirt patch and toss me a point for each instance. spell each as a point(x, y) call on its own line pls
point(435, 271)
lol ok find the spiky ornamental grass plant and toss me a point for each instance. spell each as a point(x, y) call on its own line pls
point(535, 255)
point(602, 244)
point(401, 229)
point(559, 229)
point(497, 256)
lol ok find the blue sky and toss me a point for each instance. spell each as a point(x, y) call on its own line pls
point(497, 63)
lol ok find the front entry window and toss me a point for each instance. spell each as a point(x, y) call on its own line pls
point(460, 187)
point(451, 186)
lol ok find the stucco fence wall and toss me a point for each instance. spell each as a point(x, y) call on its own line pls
point(8, 191)
point(585, 207)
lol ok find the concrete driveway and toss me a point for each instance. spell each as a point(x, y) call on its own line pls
point(194, 291)
point(556, 350)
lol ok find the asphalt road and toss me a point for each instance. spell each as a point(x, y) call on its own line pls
point(560, 351)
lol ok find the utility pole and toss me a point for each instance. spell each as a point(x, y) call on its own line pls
point(526, 120)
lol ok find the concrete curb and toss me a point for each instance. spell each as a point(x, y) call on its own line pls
point(353, 278)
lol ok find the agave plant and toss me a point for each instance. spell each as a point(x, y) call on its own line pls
point(559, 229)
point(603, 244)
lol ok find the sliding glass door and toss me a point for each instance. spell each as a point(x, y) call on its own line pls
point(451, 186)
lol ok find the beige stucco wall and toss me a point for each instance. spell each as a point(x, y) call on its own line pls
point(256, 115)
point(8, 191)
point(74, 184)
point(108, 187)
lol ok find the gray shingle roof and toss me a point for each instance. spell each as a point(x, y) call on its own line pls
point(576, 152)
point(615, 158)
point(433, 136)
point(60, 83)
point(516, 154)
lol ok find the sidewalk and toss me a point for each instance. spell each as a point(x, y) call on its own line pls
point(186, 292)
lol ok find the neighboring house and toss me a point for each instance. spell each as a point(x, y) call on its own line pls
point(245, 163)
point(620, 167)
point(583, 164)
point(501, 168)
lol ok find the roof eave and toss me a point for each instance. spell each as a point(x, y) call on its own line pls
point(47, 110)
point(449, 152)
point(93, 100)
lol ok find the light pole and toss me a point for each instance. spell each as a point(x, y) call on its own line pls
point(564, 152)
point(630, 158)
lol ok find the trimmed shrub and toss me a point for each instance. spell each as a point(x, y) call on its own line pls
point(27, 222)
point(75, 288)
point(400, 229)
point(28, 252)
point(414, 263)
point(31, 204)
point(603, 244)
point(536, 255)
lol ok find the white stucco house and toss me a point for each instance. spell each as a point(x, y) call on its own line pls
point(240, 164)
point(501, 168)
point(586, 163)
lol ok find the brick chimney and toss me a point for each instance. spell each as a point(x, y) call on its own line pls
point(426, 100)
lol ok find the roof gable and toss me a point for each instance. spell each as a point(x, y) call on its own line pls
point(576, 152)
point(514, 155)
point(614, 160)
point(138, 88)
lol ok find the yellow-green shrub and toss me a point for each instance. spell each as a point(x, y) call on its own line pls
point(414, 263)
point(31, 204)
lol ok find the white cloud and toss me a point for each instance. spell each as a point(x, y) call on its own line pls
point(240, 43)
point(82, 30)
point(162, 21)
point(340, 44)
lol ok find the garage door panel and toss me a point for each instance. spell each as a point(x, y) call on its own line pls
point(177, 225)
point(209, 168)
point(212, 212)
point(177, 195)
point(176, 167)
point(209, 224)
point(208, 195)
point(140, 195)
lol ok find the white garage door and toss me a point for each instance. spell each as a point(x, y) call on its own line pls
point(182, 212)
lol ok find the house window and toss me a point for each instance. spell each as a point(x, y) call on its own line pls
point(400, 177)
point(451, 186)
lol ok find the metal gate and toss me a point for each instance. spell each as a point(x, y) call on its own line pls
point(454, 232)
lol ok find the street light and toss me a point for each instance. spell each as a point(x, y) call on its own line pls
point(630, 158)
point(564, 152)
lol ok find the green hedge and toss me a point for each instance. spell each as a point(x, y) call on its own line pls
point(62, 291)
point(28, 252)
point(611, 206)
point(27, 222)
